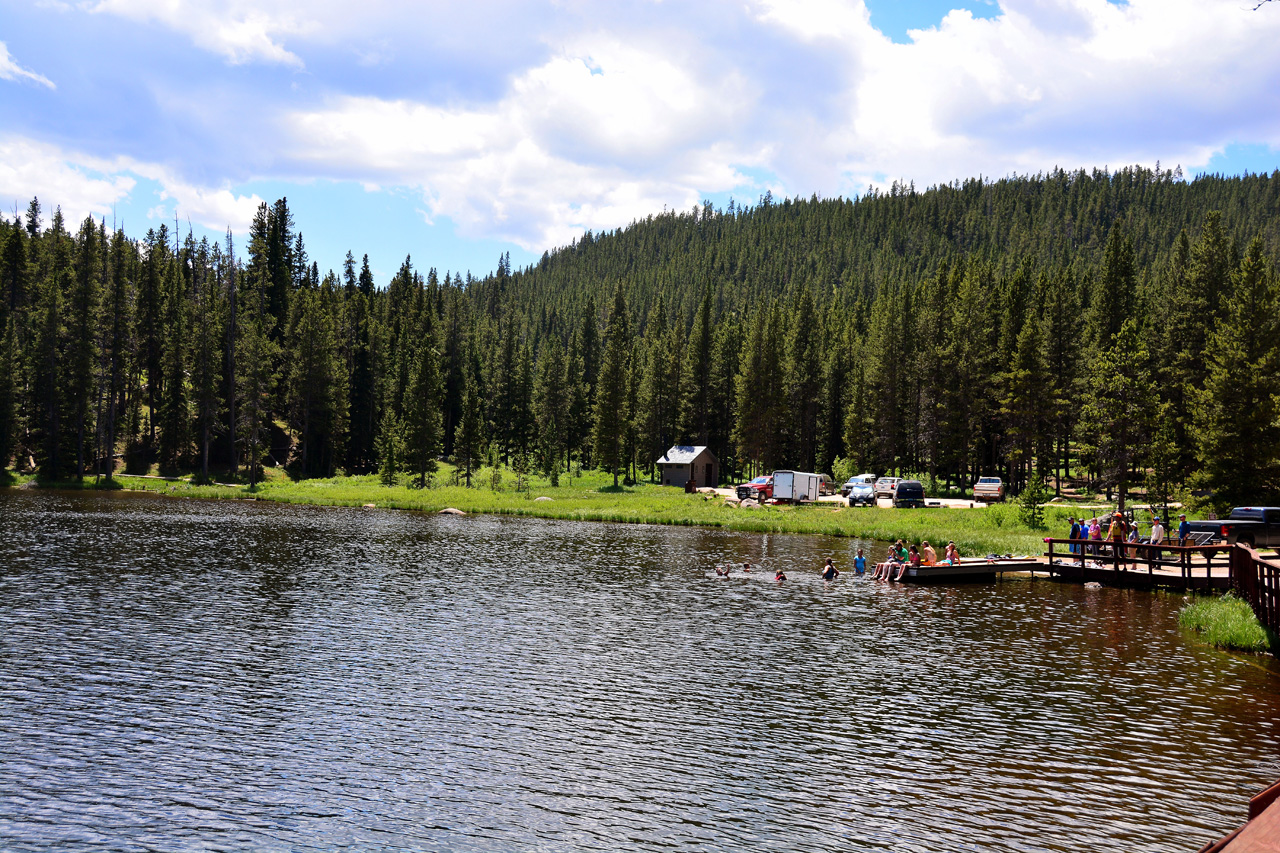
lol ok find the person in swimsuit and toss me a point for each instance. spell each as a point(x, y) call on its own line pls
point(724, 573)
point(913, 562)
point(746, 567)
point(928, 556)
point(779, 575)
point(829, 571)
point(883, 570)
point(860, 563)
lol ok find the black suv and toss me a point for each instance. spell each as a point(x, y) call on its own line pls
point(910, 493)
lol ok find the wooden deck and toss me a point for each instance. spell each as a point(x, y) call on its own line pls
point(1261, 834)
point(972, 569)
point(1138, 565)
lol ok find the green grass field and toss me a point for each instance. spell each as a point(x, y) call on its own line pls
point(1228, 623)
point(592, 497)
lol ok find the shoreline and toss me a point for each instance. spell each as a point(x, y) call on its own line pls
point(591, 497)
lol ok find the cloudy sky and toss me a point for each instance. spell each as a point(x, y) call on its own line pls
point(456, 131)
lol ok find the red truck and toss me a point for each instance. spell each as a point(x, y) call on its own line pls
point(759, 489)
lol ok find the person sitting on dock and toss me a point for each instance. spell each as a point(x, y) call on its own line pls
point(860, 563)
point(829, 571)
point(913, 562)
point(952, 557)
point(928, 556)
point(885, 569)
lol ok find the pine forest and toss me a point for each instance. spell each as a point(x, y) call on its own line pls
point(1116, 328)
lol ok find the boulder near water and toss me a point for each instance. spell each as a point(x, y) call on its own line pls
point(451, 511)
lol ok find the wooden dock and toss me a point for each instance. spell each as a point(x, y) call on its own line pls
point(1261, 834)
point(1138, 565)
point(973, 569)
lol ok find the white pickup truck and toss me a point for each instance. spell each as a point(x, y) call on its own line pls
point(988, 489)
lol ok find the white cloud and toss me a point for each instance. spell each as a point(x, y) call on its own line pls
point(614, 126)
point(11, 70)
point(29, 169)
point(239, 31)
point(83, 185)
point(545, 119)
point(602, 133)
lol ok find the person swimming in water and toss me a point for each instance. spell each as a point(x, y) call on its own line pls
point(746, 567)
point(829, 571)
point(724, 573)
point(779, 575)
point(860, 563)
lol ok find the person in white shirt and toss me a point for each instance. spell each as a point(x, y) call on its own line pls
point(1157, 534)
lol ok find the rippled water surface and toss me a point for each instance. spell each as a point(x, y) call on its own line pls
point(188, 675)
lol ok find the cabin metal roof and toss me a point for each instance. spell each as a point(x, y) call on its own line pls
point(682, 454)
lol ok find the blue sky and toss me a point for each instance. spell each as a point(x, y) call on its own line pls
point(456, 132)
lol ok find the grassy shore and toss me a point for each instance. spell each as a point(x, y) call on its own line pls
point(1228, 623)
point(592, 497)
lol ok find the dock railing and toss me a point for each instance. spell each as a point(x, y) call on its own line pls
point(1258, 582)
point(1138, 556)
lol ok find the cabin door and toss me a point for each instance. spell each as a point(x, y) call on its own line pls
point(709, 482)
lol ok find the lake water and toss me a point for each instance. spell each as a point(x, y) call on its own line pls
point(240, 676)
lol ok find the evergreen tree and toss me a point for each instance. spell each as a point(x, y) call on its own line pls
point(1237, 412)
point(468, 444)
point(611, 391)
point(550, 406)
point(8, 393)
point(82, 320)
point(317, 395)
point(206, 354)
point(1118, 414)
point(174, 411)
point(390, 447)
point(48, 366)
point(423, 426)
point(695, 406)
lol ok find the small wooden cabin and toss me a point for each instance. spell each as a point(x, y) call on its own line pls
point(686, 462)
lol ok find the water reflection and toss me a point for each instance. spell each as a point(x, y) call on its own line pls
point(243, 676)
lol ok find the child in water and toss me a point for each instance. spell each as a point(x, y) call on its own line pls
point(860, 563)
point(724, 573)
point(779, 576)
point(829, 571)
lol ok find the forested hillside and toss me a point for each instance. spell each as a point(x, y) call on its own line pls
point(1125, 325)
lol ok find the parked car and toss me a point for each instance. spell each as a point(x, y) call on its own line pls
point(863, 493)
point(988, 489)
point(826, 486)
point(759, 489)
point(909, 494)
point(869, 479)
point(1255, 526)
point(886, 486)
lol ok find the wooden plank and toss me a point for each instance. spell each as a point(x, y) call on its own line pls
point(1260, 835)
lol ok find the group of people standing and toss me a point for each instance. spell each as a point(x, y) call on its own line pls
point(1121, 530)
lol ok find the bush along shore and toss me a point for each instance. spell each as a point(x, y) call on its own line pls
point(591, 496)
point(1228, 623)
